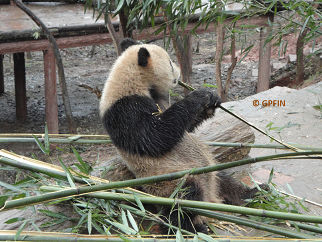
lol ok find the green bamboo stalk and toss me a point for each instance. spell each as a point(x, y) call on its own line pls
point(54, 237)
point(307, 227)
point(145, 180)
point(54, 173)
point(56, 140)
point(59, 193)
point(249, 223)
point(108, 141)
point(41, 169)
point(263, 146)
point(219, 216)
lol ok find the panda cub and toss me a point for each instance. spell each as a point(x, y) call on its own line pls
point(155, 139)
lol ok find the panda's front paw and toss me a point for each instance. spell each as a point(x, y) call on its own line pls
point(213, 102)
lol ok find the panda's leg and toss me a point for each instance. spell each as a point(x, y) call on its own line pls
point(233, 192)
point(186, 220)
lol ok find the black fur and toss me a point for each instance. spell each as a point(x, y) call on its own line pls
point(126, 43)
point(191, 191)
point(233, 192)
point(136, 126)
point(156, 95)
point(143, 56)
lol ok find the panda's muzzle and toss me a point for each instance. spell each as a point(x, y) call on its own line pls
point(175, 81)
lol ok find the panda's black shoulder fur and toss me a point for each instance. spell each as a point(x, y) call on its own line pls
point(135, 124)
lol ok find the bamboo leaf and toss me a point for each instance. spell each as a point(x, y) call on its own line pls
point(289, 188)
point(132, 221)
point(124, 219)
point(11, 187)
point(271, 175)
point(35, 226)
point(206, 237)
point(3, 200)
point(68, 174)
point(47, 143)
point(52, 214)
point(122, 227)
point(248, 49)
point(80, 160)
point(305, 23)
point(40, 145)
point(14, 220)
point(138, 202)
point(119, 6)
point(89, 221)
point(97, 227)
point(53, 222)
point(20, 229)
point(179, 237)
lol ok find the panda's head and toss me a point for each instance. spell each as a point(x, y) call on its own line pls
point(153, 64)
point(144, 70)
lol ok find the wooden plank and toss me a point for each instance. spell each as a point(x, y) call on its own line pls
point(20, 85)
point(39, 45)
point(51, 108)
point(264, 62)
point(1, 75)
point(104, 38)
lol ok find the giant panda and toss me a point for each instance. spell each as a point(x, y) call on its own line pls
point(155, 139)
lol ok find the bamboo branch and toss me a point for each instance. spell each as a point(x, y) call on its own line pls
point(149, 180)
point(53, 191)
point(51, 170)
point(71, 237)
point(72, 139)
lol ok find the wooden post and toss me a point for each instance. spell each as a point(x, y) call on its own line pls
point(51, 108)
point(1, 75)
point(20, 85)
point(264, 62)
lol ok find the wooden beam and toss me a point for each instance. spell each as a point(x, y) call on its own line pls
point(51, 108)
point(104, 38)
point(39, 45)
point(20, 85)
point(1, 75)
point(264, 62)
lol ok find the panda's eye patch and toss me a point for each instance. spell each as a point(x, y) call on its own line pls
point(171, 66)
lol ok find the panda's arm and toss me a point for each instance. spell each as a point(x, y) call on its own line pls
point(135, 125)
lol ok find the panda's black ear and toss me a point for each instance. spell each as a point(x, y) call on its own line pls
point(126, 43)
point(143, 56)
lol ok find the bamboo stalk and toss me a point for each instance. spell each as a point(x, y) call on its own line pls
point(108, 141)
point(53, 135)
point(65, 237)
point(145, 180)
point(56, 140)
point(194, 204)
point(51, 170)
point(307, 227)
point(250, 223)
